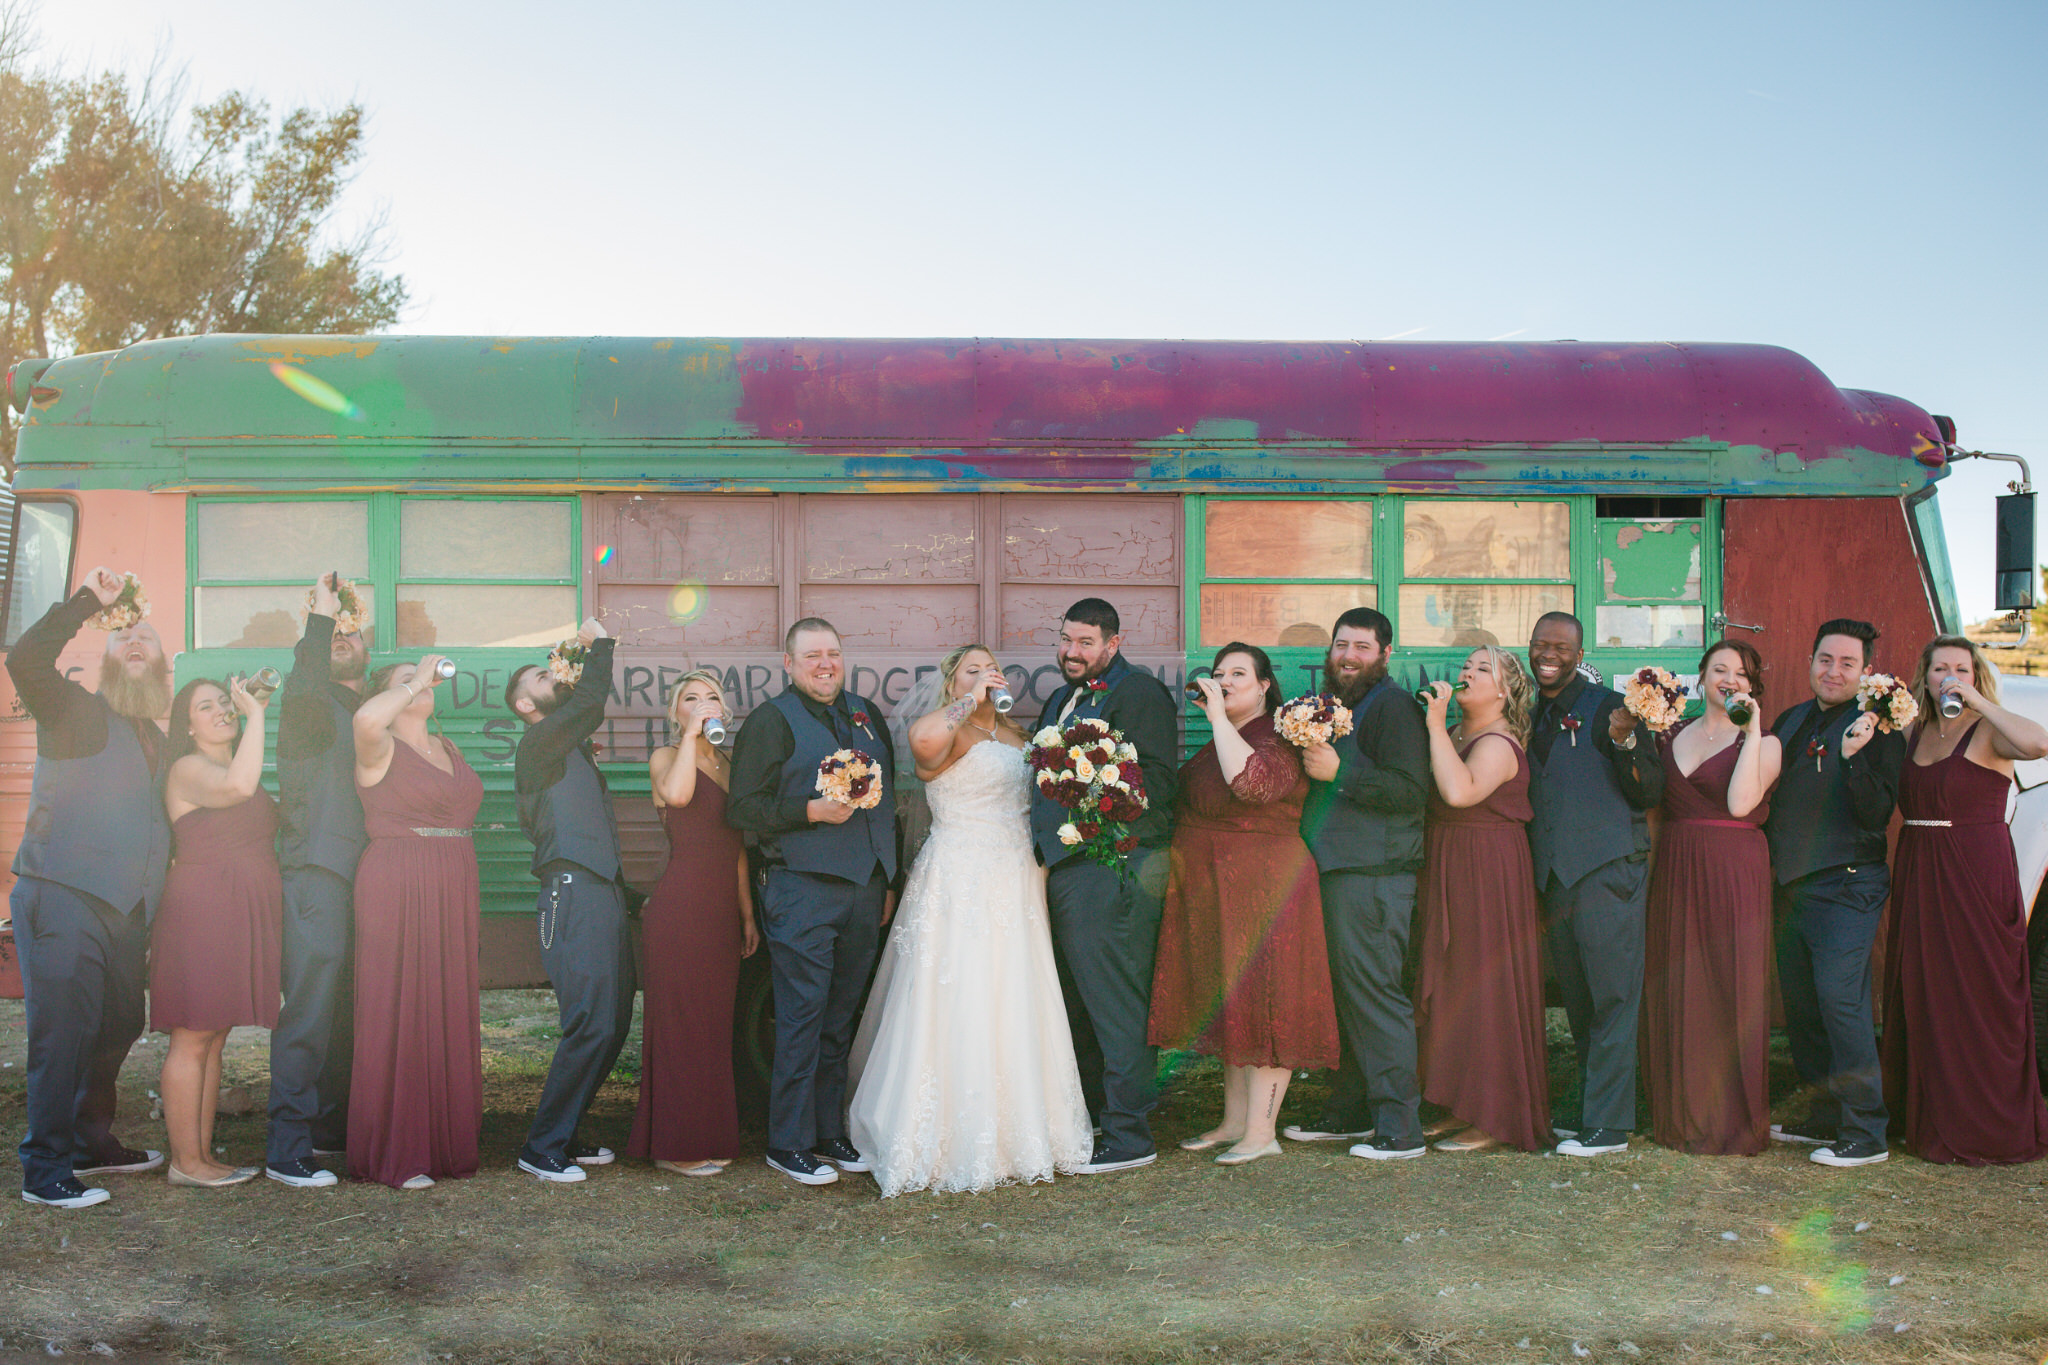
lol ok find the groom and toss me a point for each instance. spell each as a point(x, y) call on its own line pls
point(829, 870)
point(1105, 921)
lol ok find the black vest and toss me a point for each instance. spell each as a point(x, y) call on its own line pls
point(97, 824)
point(1582, 820)
point(852, 850)
point(320, 817)
point(1345, 836)
point(1812, 825)
point(571, 820)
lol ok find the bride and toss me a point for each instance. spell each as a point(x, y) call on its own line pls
point(965, 1074)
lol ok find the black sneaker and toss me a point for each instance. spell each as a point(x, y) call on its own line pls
point(841, 1153)
point(119, 1161)
point(551, 1168)
point(1388, 1148)
point(1863, 1152)
point(300, 1174)
point(1105, 1161)
point(1594, 1142)
point(801, 1167)
point(1803, 1130)
point(1328, 1128)
point(583, 1154)
point(66, 1194)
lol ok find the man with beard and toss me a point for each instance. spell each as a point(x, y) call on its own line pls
point(566, 809)
point(321, 821)
point(1363, 823)
point(90, 868)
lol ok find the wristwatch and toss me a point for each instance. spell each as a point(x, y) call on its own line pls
point(1627, 741)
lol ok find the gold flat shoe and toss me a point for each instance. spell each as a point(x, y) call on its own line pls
point(697, 1168)
point(1233, 1157)
point(1445, 1127)
point(1205, 1144)
point(233, 1177)
point(1482, 1143)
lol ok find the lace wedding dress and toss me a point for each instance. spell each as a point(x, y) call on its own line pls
point(963, 1067)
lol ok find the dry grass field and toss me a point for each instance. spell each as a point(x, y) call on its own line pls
point(1311, 1257)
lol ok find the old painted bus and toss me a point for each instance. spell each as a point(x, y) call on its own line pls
point(700, 494)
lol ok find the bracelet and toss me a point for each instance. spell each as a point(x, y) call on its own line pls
point(410, 695)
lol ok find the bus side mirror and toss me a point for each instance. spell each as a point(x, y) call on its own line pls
point(2015, 552)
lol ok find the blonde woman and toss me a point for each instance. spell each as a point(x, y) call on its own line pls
point(696, 927)
point(964, 1069)
point(1958, 1053)
point(1479, 996)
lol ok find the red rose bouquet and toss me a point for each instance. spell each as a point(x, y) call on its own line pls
point(1089, 770)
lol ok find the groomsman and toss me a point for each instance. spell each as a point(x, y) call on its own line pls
point(321, 839)
point(1829, 818)
point(1593, 782)
point(1363, 823)
point(1105, 920)
point(90, 869)
point(566, 809)
point(828, 895)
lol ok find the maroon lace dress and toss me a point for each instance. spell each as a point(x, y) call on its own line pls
point(1705, 1039)
point(416, 1094)
point(1959, 1072)
point(1241, 971)
point(214, 945)
point(1479, 994)
point(690, 954)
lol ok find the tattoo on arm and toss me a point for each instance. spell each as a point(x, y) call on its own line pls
point(957, 711)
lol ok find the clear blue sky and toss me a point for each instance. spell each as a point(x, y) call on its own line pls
point(1865, 183)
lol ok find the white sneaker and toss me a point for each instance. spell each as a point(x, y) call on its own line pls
point(1302, 1132)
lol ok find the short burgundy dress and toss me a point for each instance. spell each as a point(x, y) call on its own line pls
point(1479, 993)
point(690, 954)
point(1242, 972)
point(1705, 1040)
point(1959, 1072)
point(219, 927)
point(416, 1093)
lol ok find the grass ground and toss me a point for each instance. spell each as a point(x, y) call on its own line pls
point(1311, 1257)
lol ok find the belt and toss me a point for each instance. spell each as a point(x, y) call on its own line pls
point(1933, 824)
point(1957, 824)
point(432, 833)
point(1721, 824)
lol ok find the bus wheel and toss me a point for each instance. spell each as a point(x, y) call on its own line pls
point(753, 1039)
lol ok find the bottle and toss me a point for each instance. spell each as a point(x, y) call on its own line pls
point(1423, 695)
point(263, 683)
point(1740, 710)
point(714, 729)
point(445, 669)
point(1950, 704)
point(1000, 698)
point(1194, 691)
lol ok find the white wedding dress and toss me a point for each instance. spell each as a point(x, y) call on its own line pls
point(963, 1069)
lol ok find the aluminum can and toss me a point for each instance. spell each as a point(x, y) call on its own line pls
point(445, 669)
point(1950, 704)
point(714, 729)
point(1000, 698)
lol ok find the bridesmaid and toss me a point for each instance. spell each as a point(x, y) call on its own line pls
point(695, 929)
point(1479, 995)
point(1706, 1034)
point(416, 1093)
point(1959, 1066)
point(213, 961)
point(1241, 971)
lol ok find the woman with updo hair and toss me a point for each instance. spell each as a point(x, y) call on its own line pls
point(695, 928)
point(1706, 1032)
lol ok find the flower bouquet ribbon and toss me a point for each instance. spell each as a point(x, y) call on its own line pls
point(1655, 697)
point(565, 660)
point(1314, 719)
point(1887, 698)
point(353, 613)
point(1091, 772)
point(125, 610)
point(851, 778)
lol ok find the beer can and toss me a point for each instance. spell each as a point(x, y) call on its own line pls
point(1000, 698)
point(445, 669)
point(714, 729)
point(1951, 704)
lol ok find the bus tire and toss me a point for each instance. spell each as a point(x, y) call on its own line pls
point(753, 1040)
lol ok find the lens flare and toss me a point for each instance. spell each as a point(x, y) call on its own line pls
point(604, 554)
point(686, 602)
point(318, 392)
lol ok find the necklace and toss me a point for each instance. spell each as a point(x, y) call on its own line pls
point(988, 730)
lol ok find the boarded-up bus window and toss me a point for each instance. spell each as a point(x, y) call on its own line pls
point(253, 616)
point(1651, 584)
point(1286, 539)
point(1278, 615)
point(688, 572)
point(479, 615)
point(863, 538)
point(528, 539)
point(290, 541)
point(1464, 615)
point(1060, 547)
point(1484, 539)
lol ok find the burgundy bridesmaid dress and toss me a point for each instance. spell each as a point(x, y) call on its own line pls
point(214, 945)
point(416, 1094)
point(1479, 994)
point(1705, 1040)
point(690, 970)
point(1959, 1070)
point(1242, 972)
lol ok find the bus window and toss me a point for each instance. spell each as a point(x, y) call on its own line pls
point(1651, 576)
point(1284, 539)
point(254, 561)
point(1487, 570)
point(39, 577)
point(486, 573)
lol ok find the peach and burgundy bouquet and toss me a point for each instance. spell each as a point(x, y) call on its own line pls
point(565, 660)
point(125, 610)
point(353, 613)
point(1887, 698)
point(1091, 772)
point(1314, 719)
point(1655, 697)
point(851, 778)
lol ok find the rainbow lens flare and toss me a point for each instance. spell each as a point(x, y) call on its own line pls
point(604, 554)
point(318, 392)
point(686, 602)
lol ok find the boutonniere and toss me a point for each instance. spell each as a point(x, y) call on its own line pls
point(860, 718)
point(1816, 750)
point(1096, 685)
point(1570, 725)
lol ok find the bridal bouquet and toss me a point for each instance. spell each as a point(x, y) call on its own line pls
point(1887, 698)
point(1090, 771)
point(124, 611)
point(1315, 719)
point(353, 613)
point(850, 777)
point(1656, 698)
point(565, 660)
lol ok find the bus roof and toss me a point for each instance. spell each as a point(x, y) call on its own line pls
point(180, 412)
